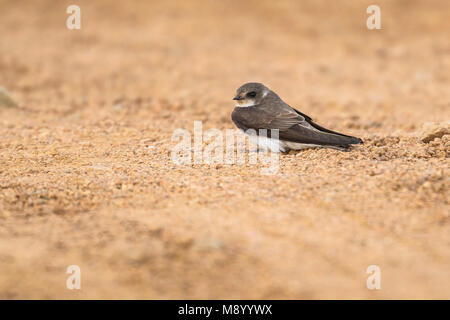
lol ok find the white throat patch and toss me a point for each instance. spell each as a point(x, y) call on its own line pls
point(245, 103)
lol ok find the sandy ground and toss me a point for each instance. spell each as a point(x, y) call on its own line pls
point(86, 176)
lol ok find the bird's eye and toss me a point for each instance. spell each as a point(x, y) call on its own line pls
point(251, 94)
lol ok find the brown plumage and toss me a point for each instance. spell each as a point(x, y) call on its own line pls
point(258, 107)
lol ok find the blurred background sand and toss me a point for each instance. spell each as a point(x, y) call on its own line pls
point(86, 176)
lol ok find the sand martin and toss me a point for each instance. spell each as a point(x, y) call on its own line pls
point(258, 107)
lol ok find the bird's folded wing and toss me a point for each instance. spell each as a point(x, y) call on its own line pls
point(283, 120)
point(256, 118)
point(293, 127)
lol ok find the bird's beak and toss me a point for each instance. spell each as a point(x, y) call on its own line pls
point(237, 98)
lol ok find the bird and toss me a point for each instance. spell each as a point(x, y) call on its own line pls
point(259, 111)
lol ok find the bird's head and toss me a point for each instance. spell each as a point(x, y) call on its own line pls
point(250, 94)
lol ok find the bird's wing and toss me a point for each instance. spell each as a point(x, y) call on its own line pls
point(257, 118)
point(283, 119)
point(297, 127)
point(292, 125)
point(301, 134)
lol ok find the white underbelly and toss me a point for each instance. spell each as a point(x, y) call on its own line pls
point(275, 145)
point(299, 146)
point(266, 143)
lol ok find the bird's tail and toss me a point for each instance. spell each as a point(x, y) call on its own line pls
point(339, 141)
point(336, 138)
